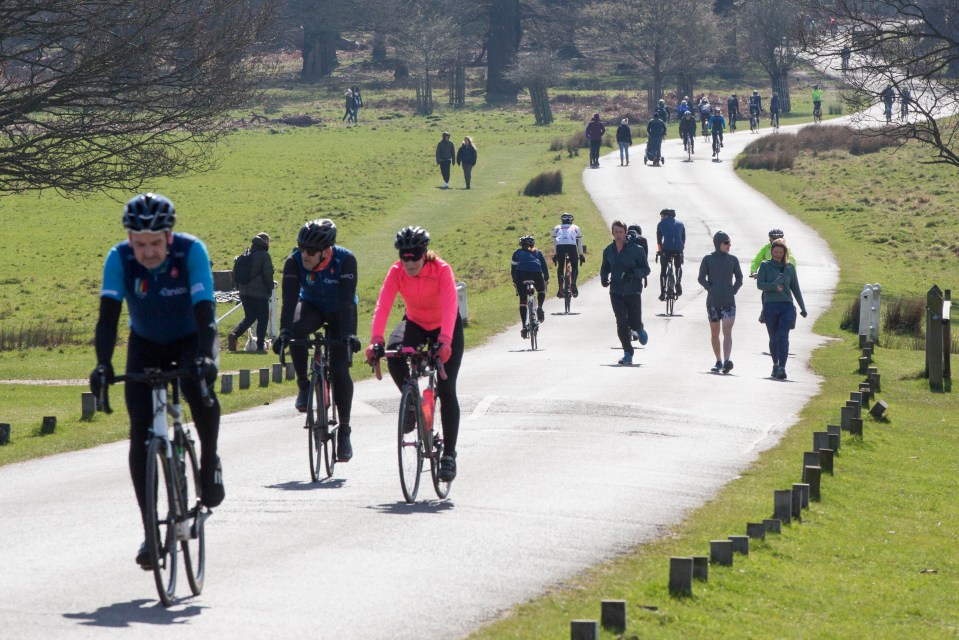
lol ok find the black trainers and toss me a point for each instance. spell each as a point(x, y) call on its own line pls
point(679, 289)
point(781, 375)
point(143, 557)
point(303, 391)
point(662, 296)
point(540, 314)
point(448, 467)
point(211, 485)
point(717, 367)
point(575, 291)
point(727, 366)
point(344, 448)
point(524, 333)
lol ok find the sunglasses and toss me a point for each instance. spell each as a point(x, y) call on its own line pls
point(726, 242)
point(310, 251)
point(411, 256)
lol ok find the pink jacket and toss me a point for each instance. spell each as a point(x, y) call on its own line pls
point(430, 298)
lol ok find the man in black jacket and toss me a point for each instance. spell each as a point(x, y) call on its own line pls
point(445, 155)
point(255, 294)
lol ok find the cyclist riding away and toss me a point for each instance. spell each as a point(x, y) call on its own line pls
point(687, 129)
point(905, 97)
point(705, 112)
point(166, 280)
point(670, 243)
point(567, 242)
point(755, 105)
point(623, 270)
point(428, 289)
point(774, 108)
point(732, 108)
point(319, 288)
point(717, 124)
point(529, 264)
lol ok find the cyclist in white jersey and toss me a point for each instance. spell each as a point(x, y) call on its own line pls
point(567, 241)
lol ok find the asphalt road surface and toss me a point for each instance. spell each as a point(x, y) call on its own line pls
point(565, 459)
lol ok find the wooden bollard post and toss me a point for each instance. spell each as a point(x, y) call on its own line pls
point(878, 409)
point(863, 364)
point(4, 433)
point(867, 352)
point(813, 477)
point(290, 371)
point(810, 458)
point(856, 408)
point(244, 379)
point(796, 503)
point(856, 396)
point(721, 552)
point(864, 394)
point(701, 568)
point(740, 544)
point(866, 390)
point(583, 630)
point(277, 372)
point(874, 379)
point(88, 405)
point(264, 377)
point(680, 577)
point(782, 505)
point(226, 383)
point(855, 426)
point(803, 488)
point(835, 435)
point(863, 340)
point(845, 413)
point(756, 530)
point(820, 439)
point(825, 460)
point(613, 615)
point(48, 426)
point(773, 525)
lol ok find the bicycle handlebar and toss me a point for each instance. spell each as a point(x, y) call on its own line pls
point(308, 342)
point(155, 378)
point(380, 352)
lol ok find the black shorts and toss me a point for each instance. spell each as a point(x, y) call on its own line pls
point(539, 282)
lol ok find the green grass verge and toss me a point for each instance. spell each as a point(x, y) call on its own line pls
point(876, 557)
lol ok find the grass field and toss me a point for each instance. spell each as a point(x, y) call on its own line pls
point(876, 557)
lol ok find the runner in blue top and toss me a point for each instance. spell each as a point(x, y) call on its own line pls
point(528, 263)
point(319, 288)
point(167, 283)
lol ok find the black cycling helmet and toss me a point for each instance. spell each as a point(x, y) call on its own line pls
point(775, 233)
point(317, 234)
point(636, 228)
point(412, 239)
point(527, 242)
point(755, 93)
point(566, 218)
point(149, 212)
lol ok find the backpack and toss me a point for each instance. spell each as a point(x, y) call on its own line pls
point(243, 268)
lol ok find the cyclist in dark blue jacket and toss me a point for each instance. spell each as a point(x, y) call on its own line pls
point(775, 106)
point(670, 244)
point(167, 283)
point(319, 288)
point(717, 124)
point(528, 263)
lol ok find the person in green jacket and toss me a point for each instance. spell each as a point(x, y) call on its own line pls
point(817, 100)
point(778, 281)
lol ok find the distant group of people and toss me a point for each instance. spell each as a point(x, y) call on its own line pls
point(354, 100)
point(447, 155)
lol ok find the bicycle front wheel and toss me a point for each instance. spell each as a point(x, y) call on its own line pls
point(409, 446)
point(441, 487)
point(192, 531)
point(324, 436)
point(161, 518)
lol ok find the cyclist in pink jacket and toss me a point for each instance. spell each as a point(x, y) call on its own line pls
point(428, 289)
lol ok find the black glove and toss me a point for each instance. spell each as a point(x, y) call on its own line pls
point(281, 341)
point(627, 277)
point(355, 345)
point(803, 313)
point(205, 368)
point(555, 260)
point(582, 259)
point(604, 282)
point(645, 281)
point(657, 256)
point(100, 376)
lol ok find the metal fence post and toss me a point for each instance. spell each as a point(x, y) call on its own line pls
point(463, 303)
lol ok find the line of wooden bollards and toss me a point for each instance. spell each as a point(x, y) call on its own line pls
point(788, 504)
point(275, 373)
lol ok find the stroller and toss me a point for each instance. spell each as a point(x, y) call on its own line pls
point(653, 148)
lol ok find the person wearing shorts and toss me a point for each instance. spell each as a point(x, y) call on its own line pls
point(721, 277)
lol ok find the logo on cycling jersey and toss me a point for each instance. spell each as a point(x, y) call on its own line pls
point(174, 273)
point(140, 288)
point(168, 292)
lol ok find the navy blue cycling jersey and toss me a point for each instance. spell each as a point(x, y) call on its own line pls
point(671, 235)
point(717, 123)
point(160, 301)
point(529, 262)
point(322, 288)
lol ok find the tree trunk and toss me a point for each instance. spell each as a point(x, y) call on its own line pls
point(780, 84)
point(655, 90)
point(684, 86)
point(541, 109)
point(319, 53)
point(502, 44)
point(379, 46)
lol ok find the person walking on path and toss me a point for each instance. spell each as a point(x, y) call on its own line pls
point(255, 282)
point(656, 130)
point(721, 277)
point(445, 154)
point(624, 267)
point(466, 158)
point(624, 137)
point(595, 131)
point(778, 281)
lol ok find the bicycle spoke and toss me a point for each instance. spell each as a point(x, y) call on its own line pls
point(161, 518)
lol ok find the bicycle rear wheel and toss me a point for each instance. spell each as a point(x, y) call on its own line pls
point(192, 530)
point(670, 304)
point(441, 487)
point(161, 517)
point(531, 318)
point(409, 446)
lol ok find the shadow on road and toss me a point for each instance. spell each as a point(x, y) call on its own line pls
point(403, 508)
point(123, 614)
point(303, 485)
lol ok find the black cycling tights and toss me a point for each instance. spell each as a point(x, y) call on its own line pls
point(410, 334)
point(143, 353)
point(306, 320)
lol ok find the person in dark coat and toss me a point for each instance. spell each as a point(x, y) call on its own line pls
point(349, 116)
point(255, 294)
point(595, 131)
point(466, 158)
point(623, 270)
point(445, 154)
point(656, 130)
point(625, 138)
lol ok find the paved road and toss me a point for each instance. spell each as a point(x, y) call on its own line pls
point(565, 460)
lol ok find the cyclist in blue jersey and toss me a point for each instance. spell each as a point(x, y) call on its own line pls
point(166, 280)
point(670, 244)
point(319, 288)
point(717, 124)
point(528, 263)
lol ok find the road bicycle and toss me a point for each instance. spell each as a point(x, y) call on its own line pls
point(690, 142)
point(705, 131)
point(417, 435)
point(774, 121)
point(717, 145)
point(175, 516)
point(817, 114)
point(531, 328)
point(669, 283)
point(566, 284)
point(732, 121)
point(321, 417)
point(753, 121)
